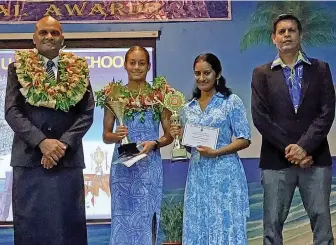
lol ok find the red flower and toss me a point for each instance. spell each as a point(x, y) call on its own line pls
point(51, 91)
point(107, 91)
point(142, 100)
point(159, 96)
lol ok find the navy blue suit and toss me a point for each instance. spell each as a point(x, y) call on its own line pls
point(48, 204)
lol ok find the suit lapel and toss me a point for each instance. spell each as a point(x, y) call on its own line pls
point(279, 78)
point(58, 73)
point(307, 76)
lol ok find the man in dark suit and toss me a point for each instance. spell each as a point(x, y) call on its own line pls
point(293, 107)
point(47, 152)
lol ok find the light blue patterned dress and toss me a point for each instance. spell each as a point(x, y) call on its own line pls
point(216, 202)
point(136, 192)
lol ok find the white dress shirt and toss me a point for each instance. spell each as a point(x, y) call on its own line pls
point(55, 67)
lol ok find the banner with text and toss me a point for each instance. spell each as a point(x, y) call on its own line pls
point(25, 11)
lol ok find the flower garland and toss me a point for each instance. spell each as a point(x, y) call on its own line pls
point(136, 102)
point(67, 91)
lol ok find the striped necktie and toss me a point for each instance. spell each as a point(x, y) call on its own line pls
point(51, 73)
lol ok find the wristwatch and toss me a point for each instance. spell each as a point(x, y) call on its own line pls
point(156, 145)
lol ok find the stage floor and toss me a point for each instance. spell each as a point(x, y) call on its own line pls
point(97, 235)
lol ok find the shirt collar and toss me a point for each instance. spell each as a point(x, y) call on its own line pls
point(218, 95)
point(55, 60)
point(301, 58)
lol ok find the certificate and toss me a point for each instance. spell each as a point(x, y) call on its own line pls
point(196, 135)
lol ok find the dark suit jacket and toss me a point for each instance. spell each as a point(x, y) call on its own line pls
point(274, 116)
point(32, 124)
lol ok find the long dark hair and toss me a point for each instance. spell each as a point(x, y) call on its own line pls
point(220, 85)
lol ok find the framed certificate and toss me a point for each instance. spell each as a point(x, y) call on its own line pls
point(196, 135)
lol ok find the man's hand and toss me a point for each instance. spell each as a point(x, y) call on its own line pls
point(306, 162)
point(52, 149)
point(295, 153)
point(47, 162)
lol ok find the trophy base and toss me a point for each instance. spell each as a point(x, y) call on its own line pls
point(179, 154)
point(128, 149)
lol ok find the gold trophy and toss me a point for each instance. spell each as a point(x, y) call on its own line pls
point(174, 102)
point(126, 149)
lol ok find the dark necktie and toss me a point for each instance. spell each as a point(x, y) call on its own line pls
point(51, 73)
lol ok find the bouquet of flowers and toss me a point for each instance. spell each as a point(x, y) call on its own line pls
point(136, 102)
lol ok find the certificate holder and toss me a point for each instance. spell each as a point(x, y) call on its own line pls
point(198, 135)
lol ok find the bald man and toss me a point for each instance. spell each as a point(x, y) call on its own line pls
point(47, 152)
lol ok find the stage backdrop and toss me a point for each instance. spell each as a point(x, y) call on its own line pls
point(241, 45)
point(105, 65)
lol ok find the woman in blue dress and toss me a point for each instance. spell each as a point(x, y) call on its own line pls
point(136, 192)
point(216, 202)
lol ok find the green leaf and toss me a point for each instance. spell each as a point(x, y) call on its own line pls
point(255, 36)
point(44, 96)
point(27, 78)
point(36, 97)
point(129, 115)
point(319, 39)
point(266, 11)
point(156, 114)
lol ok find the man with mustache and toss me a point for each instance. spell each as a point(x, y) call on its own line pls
point(49, 123)
point(293, 107)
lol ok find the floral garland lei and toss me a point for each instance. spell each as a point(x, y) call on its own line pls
point(67, 91)
point(138, 102)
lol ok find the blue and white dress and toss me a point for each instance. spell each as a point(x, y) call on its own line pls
point(216, 202)
point(136, 192)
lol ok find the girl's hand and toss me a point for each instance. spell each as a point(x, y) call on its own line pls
point(207, 151)
point(175, 130)
point(121, 132)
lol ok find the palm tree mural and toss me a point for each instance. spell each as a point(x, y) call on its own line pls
point(318, 25)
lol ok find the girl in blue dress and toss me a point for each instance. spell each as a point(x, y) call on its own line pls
point(136, 192)
point(216, 196)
